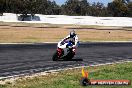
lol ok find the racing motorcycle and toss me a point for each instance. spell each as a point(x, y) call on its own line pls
point(65, 50)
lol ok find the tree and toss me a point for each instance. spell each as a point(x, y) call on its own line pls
point(52, 8)
point(130, 9)
point(71, 7)
point(2, 7)
point(118, 8)
point(41, 6)
point(75, 7)
point(84, 8)
point(98, 9)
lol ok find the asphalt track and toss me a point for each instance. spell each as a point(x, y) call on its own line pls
point(33, 58)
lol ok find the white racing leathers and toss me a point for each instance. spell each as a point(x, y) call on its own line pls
point(62, 43)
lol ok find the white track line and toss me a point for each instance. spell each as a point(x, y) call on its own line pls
point(80, 42)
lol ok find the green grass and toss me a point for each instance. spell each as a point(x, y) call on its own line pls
point(2, 86)
point(70, 78)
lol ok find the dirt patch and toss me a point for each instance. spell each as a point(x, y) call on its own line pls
point(9, 34)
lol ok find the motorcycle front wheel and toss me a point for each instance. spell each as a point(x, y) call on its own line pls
point(55, 56)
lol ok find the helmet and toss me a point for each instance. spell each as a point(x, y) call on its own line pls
point(72, 34)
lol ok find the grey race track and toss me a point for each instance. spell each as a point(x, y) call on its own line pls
point(34, 58)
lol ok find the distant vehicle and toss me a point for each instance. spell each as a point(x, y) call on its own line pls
point(28, 17)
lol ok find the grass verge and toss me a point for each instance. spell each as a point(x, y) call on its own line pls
point(70, 78)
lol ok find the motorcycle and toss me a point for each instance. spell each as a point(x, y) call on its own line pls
point(66, 53)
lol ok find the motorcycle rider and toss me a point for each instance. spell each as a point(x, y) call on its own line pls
point(72, 37)
point(67, 45)
point(66, 48)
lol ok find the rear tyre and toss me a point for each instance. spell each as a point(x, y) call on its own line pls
point(55, 56)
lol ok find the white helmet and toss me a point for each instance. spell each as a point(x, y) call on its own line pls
point(72, 34)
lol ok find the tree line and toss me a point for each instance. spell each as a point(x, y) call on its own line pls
point(116, 8)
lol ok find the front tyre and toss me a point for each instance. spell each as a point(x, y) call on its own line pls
point(55, 56)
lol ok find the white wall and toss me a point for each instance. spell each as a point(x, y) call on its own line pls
point(81, 20)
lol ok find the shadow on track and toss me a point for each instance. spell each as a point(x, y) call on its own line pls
point(70, 60)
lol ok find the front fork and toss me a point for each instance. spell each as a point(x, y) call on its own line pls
point(60, 52)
